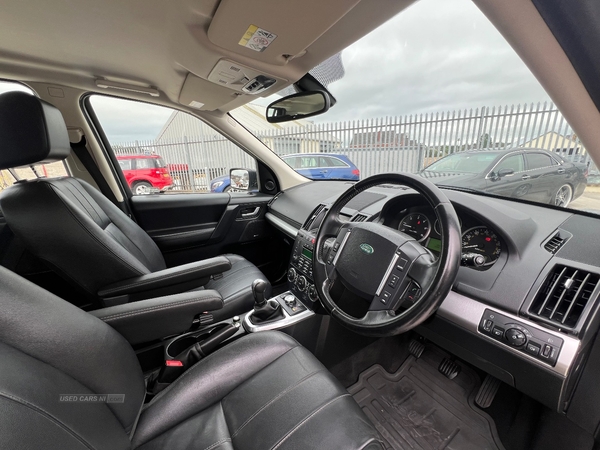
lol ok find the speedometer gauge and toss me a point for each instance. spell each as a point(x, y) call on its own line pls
point(416, 225)
point(483, 241)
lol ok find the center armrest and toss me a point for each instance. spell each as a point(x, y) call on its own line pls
point(156, 318)
point(165, 282)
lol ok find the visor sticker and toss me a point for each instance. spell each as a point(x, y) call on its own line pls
point(257, 39)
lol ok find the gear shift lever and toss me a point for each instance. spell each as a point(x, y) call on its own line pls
point(264, 310)
point(258, 290)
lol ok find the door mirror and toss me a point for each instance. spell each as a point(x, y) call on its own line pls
point(505, 172)
point(243, 180)
point(298, 106)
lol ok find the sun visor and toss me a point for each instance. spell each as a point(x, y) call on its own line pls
point(269, 30)
point(204, 95)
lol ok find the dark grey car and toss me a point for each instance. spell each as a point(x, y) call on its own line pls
point(531, 174)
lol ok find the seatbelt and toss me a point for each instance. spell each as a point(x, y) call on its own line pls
point(84, 156)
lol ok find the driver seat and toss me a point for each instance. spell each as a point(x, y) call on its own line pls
point(69, 381)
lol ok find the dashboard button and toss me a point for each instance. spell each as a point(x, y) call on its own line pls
point(487, 325)
point(498, 332)
point(515, 337)
point(533, 348)
point(547, 351)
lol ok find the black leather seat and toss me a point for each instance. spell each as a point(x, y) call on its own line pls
point(81, 234)
point(262, 392)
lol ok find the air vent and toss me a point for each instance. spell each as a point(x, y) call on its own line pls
point(564, 296)
point(312, 217)
point(359, 218)
point(557, 241)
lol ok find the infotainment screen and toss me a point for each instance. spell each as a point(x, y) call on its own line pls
point(306, 252)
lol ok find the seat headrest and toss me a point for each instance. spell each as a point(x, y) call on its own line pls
point(32, 131)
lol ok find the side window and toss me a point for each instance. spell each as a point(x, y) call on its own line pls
point(537, 160)
point(125, 164)
point(514, 162)
point(144, 163)
point(292, 162)
point(337, 162)
point(165, 150)
point(51, 170)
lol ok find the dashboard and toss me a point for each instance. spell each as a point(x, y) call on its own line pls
point(517, 259)
point(482, 246)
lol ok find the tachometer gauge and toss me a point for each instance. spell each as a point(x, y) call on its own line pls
point(482, 241)
point(416, 225)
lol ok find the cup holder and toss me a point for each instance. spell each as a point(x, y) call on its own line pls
point(184, 342)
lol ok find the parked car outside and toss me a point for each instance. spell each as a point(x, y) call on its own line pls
point(314, 166)
point(145, 173)
point(530, 174)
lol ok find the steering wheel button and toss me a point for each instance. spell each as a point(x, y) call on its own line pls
point(393, 280)
point(336, 246)
point(402, 262)
point(386, 295)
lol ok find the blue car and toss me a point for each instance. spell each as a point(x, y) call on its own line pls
point(315, 166)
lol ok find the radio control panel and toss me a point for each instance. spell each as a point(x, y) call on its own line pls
point(300, 272)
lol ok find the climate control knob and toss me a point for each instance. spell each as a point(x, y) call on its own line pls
point(312, 293)
point(301, 283)
point(291, 275)
point(515, 337)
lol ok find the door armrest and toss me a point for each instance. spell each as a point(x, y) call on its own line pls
point(156, 318)
point(164, 282)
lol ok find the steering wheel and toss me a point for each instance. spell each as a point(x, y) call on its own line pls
point(401, 279)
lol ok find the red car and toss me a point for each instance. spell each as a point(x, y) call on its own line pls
point(144, 172)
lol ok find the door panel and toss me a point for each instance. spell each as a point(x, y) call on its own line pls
point(191, 227)
point(541, 171)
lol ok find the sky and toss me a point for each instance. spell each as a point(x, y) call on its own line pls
point(437, 55)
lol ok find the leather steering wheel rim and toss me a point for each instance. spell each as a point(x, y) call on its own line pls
point(440, 278)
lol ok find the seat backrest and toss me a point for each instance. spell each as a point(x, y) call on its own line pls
point(57, 364)
point(80, 233)
point(65, 221)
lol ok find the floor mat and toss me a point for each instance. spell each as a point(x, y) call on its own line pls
point(419, 408)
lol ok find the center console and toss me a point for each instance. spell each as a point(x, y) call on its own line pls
point(300, 275)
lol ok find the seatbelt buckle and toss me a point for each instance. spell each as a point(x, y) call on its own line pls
point(170, 371)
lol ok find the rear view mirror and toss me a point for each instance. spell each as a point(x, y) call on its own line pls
point(298, 106)
point(243, 180)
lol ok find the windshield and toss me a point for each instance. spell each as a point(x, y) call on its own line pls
point(439, 92)
point(464, 163)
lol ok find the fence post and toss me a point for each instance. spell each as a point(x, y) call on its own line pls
point(188, 161)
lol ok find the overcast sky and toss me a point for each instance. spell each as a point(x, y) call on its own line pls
point(437, 55)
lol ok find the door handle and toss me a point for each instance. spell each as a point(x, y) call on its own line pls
point(561, 171)
point(323, 171)
point(525, 177)
point(248, 212)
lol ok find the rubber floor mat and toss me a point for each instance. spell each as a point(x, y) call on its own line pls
point(419, 408)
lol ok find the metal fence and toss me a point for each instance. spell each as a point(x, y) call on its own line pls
point(391, 144)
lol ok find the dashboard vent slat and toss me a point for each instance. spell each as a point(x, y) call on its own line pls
point(359, 218)
point(564, 296)
point(554, 244)
point(312, 217)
